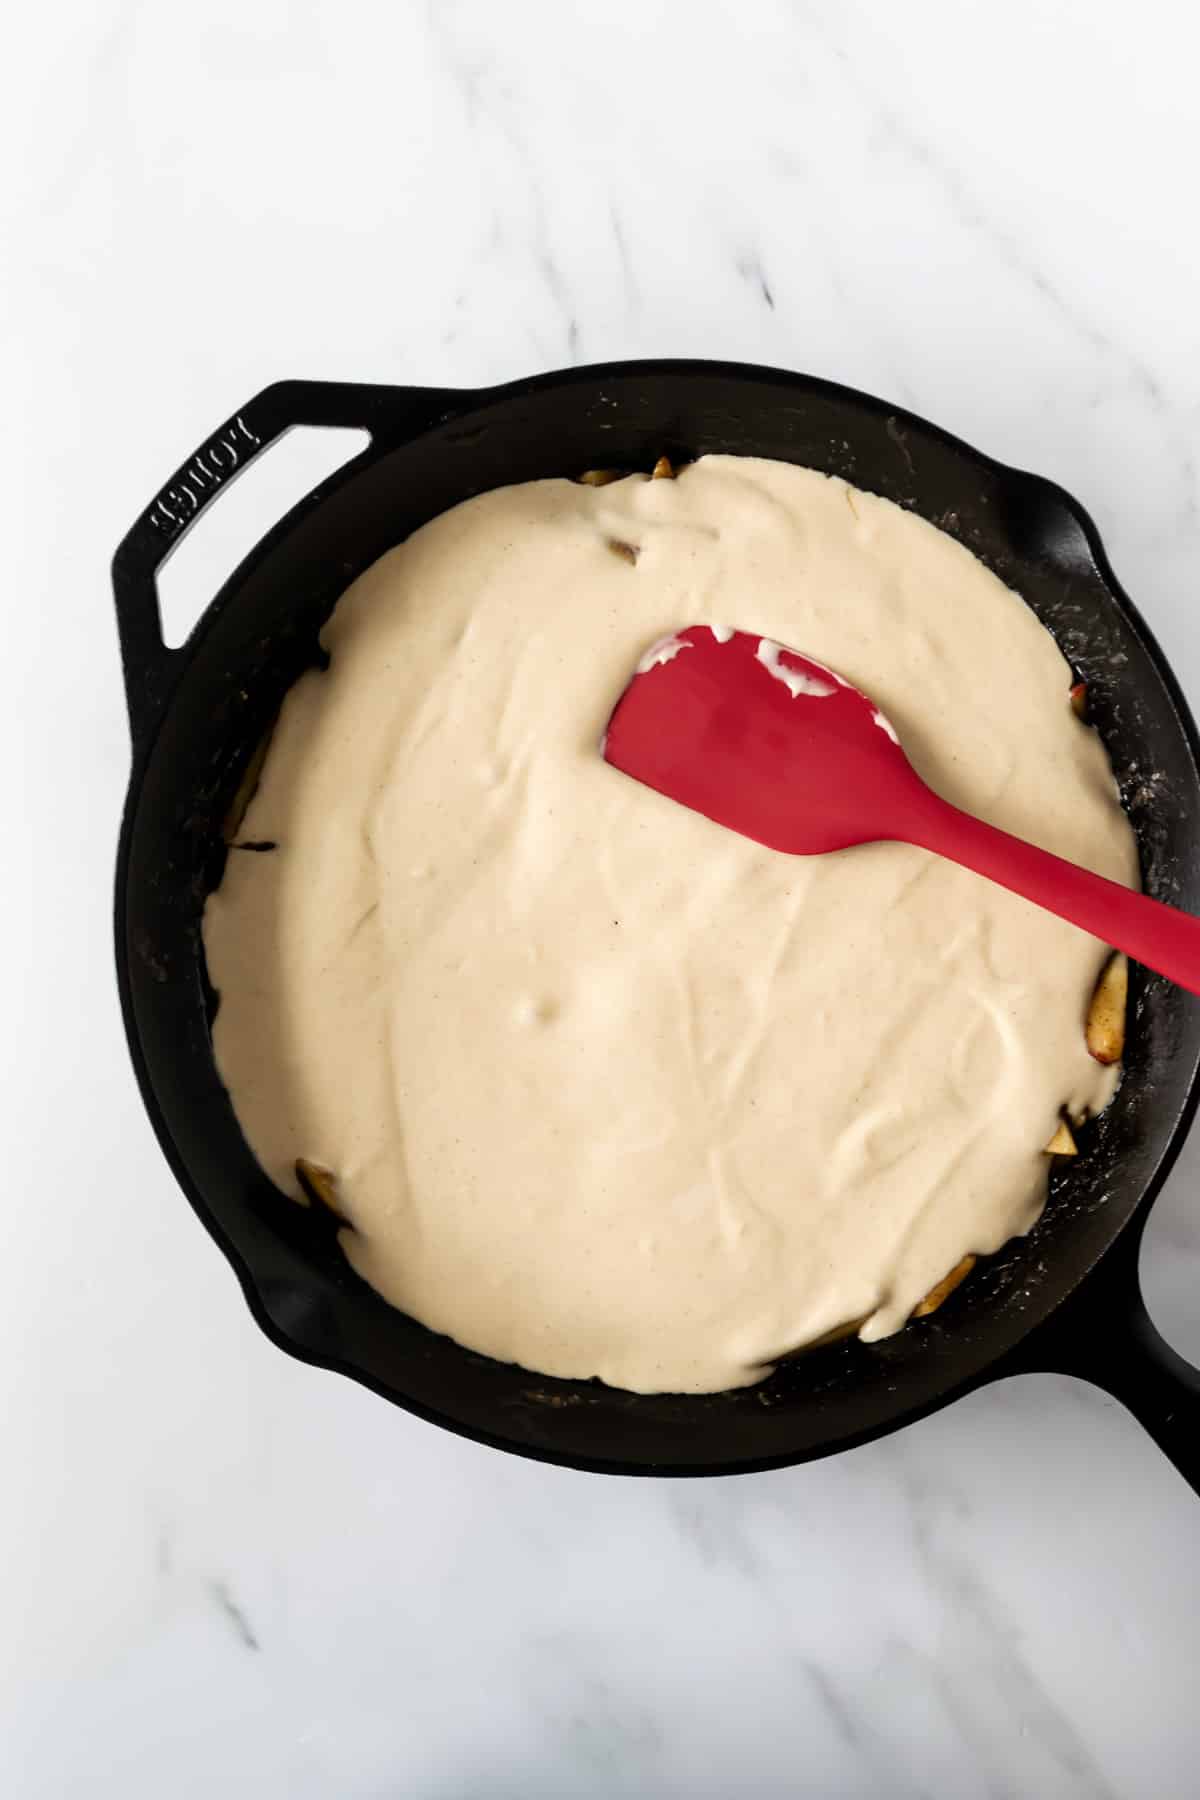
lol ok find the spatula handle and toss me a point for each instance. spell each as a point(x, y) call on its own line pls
point(1160, 936)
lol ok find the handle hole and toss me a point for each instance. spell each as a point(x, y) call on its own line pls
point(236, 518)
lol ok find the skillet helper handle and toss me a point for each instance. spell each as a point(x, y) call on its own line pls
point(1160, 936)
point(390, 414)
point(1102, 1333)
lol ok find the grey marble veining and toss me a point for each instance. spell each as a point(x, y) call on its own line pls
point(223, 1572)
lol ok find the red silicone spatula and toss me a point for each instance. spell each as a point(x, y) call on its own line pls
point(779, 748)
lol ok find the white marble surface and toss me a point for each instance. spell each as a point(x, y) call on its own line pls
point(221, 1572)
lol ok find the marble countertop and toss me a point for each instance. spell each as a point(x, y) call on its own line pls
point(222, 1572)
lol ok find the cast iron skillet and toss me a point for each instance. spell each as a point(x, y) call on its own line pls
point(1065, 1298)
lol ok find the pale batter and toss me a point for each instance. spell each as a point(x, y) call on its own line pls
point(608, 1090)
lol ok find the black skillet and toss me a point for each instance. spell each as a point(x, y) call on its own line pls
point(1065, 1298)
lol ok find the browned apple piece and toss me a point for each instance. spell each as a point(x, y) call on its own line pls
point(662, 470)
point(1106, 1014)
point(628, 552)
point(1079, 699)
point(838, 1333)
point(944, 1288)
point(599, 477)
point(835, 1335)
point(320, 1185)
point(245, 789)
point(1062, 1143)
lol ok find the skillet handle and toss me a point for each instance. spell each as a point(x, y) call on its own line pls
point(391, 415)
point(1102, 1333)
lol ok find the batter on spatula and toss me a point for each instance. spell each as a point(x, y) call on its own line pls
point(604, 1089)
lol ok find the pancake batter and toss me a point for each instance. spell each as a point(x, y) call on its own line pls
point(608, 1090)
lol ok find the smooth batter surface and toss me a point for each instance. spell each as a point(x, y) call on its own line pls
point(608, 1090)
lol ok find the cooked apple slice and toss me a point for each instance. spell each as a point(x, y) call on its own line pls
point(599, 477)
point(1106, 1014)
point(1079, 699)
point(944, 1288)
point(838, 1333)
point(662, 470)
point(246, 788)
point(1062, 1143)
point(320, 1185)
